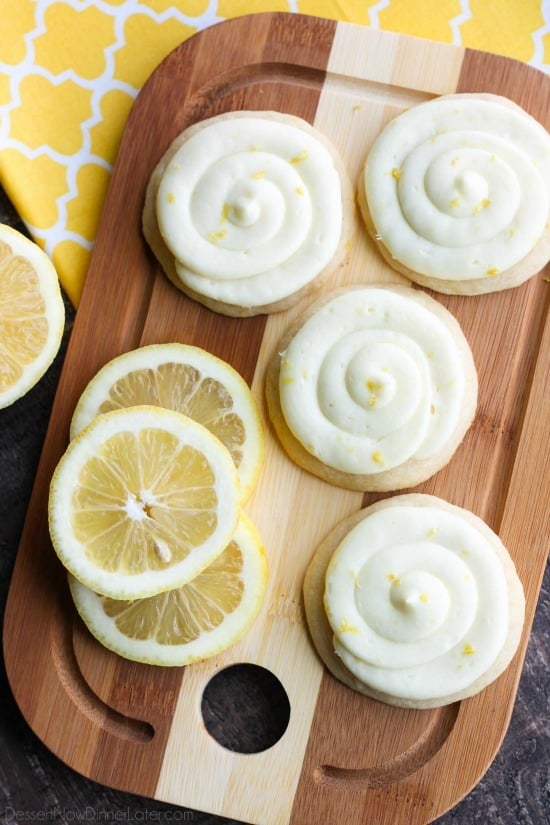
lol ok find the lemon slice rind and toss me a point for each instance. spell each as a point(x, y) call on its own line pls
point(72, 551)
point(234, 625)
point(209, 366)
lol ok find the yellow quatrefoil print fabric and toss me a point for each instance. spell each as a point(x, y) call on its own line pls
point(71, 69)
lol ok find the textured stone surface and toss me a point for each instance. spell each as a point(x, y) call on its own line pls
point(35, 785)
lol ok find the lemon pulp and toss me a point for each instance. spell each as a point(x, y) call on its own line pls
point(141, 501)
point(189, 380)
point(32, 314)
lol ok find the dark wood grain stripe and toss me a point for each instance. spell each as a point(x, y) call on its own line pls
point(126, 302)
point(494, 74)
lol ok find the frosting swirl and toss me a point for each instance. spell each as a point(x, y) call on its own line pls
point(251, 208)
point(373, 378)
point(458, 188)
point(417, 600)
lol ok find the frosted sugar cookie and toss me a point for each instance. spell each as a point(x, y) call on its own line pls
point(415, 602)
point(456, 194)
point(373, 389)
point(247, 211)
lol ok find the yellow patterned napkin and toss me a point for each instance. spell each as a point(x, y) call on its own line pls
point(70, 70)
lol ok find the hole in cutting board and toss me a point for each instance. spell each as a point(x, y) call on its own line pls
point(245, 708)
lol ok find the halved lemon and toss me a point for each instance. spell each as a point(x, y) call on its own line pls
point(141, 501)
point(192, 622)
point(32, 314)
point(187, 379)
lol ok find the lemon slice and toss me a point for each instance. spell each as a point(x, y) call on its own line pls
point(190, 623)
point(32, 314)
point(141, 501)
point(187, 379)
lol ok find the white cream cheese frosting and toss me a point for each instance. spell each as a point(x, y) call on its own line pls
point(251, 208)
point(458, 188)
point(373, 378)
point(417, 600)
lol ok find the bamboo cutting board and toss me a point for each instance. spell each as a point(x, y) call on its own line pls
point(343, 759)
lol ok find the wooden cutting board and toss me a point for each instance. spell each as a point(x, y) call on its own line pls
point(343, 758)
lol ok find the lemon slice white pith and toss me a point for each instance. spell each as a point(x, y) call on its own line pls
point(191, 622)
point(32, 314)
point(141, 501)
